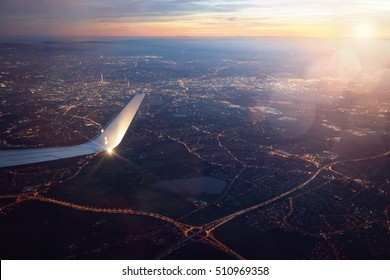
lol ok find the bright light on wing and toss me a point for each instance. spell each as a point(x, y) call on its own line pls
point(109, 138)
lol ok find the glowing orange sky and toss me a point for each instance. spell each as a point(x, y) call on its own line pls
point(332, 18)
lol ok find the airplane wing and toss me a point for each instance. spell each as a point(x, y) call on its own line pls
point(110, 137)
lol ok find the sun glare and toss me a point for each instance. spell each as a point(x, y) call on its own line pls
point(363, 31)
point(109, 151)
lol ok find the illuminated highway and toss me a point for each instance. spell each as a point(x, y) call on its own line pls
point(203, 233)
point(245, 116)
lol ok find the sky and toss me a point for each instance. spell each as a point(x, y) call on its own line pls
point(276, 18)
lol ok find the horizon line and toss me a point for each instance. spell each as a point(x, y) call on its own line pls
point(197, 36)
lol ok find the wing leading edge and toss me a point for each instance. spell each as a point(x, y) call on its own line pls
point(110, 137)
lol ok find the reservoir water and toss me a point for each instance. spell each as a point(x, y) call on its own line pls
point(196, 185)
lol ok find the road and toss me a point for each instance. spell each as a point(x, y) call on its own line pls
point(204, 232)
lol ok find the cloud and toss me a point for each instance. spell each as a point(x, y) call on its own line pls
point(23, 16)
point(26, 16)
point(84, 9)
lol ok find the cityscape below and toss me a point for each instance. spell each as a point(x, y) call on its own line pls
point(243, 148)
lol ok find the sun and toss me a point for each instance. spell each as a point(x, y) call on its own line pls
point(110, 151)
point(363, 31)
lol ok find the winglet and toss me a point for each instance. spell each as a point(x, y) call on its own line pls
point(114, 132)
point(110, 137)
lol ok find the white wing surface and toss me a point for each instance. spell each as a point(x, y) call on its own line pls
point(110, 137)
